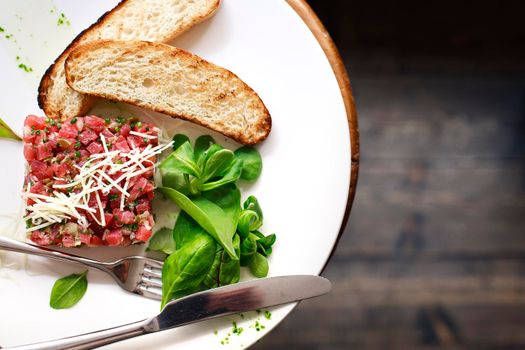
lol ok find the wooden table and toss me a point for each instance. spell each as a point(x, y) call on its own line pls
point(433, 256)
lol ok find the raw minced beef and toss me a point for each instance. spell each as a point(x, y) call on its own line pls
point(56, 151)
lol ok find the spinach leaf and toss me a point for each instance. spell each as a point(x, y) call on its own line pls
point(181, 160)
point(247, 218)
point(202, 144)
point(162, 241)
point(67, 291)
point(248, 250)
point(264, 244)
point(178, 140)
point(258, 265)
point(184, 270)
point(224, 269)
point(232, 174)
point(252, 163)
point(217, 163)
point(212, 276)
point(175, 180)
point(6, 132)
point(251, 218)
point(219, 221)
point(230, 269)
point(185, 230)
point(204, 156)
point(188, 171)
point(251, 203)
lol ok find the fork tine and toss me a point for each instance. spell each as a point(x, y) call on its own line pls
point(148, 292)
point(152, 272)
point(153, 263)
point(151, 282)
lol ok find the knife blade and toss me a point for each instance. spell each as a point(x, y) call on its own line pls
point(222, 301)
point(240, 297)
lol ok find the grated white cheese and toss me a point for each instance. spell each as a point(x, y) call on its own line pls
point(146, 136)
point(94, 178)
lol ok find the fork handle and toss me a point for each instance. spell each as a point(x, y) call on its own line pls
point(91, 340)
point(21, 247)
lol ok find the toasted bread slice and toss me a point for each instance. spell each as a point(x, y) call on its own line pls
point(153, 20)
point(172, 81)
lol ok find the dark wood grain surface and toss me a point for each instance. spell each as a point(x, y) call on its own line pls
point(433, 256)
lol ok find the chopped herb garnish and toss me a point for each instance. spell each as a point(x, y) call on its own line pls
point(267, 315)
point(2, 30)
point(77, 154)
point(236, 330)
point(107, 120)
point(74, 120)
point(113, 197)
point(259, 326)
point(37, 132)
point(120, 120)
point(131, 227)
point(117, 129)
point(63, 20)
point(77, 144)
point(25, 68)
point(146, 141)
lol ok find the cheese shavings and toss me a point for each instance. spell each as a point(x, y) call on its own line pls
point(102, 173)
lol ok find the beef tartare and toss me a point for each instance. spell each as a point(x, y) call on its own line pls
point(89, 180)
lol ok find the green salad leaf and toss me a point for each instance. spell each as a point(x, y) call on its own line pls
point(213, 235)
point(252, 163)
point(6, 132)
point(255, 246)
point(182, 160)
point(224, 269)
point(67, 291)
point(178, 140)
point(248, 250)
point(218, 218)
point(185, 269)
point(162, 241)
point(202, 144)
point(259, 265)
point(192, 170)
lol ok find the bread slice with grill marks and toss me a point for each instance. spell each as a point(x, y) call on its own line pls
point(172, 81)
point(152, 20)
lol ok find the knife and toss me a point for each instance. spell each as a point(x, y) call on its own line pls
point(222, 301)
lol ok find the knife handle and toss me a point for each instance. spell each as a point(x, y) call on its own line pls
point(90, 340)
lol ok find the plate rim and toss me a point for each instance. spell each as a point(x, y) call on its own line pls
point(310, 18)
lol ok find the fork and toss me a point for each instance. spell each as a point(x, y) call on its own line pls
point(136, 274)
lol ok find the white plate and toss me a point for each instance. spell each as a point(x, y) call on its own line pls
point(303, 189)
